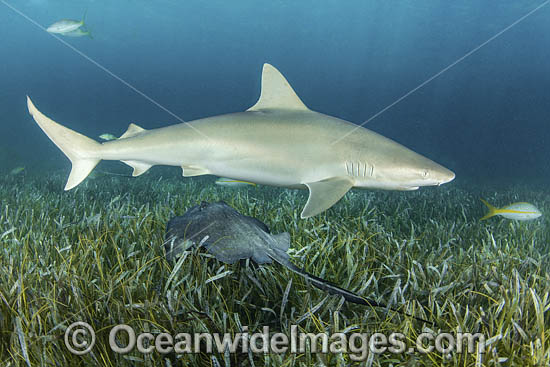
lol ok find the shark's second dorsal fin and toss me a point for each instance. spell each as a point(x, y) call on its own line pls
point(133, 129)
point(277, 92)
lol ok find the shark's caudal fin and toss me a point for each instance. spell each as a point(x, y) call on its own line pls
point(82, 151)
point(492, 210)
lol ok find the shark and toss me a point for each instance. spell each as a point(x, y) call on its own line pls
point(278, 141)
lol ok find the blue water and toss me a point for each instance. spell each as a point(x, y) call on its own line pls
point(486, 118)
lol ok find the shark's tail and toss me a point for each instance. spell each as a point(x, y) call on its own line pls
point(492, 210)
point(82, 151)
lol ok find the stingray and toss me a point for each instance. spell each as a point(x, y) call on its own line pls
point(231, 236)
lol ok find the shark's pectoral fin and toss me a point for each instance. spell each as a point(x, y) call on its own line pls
point(324, 194)
point(190, 171)
point(139, 167)
point(133, 130)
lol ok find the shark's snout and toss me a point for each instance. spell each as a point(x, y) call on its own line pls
point(450, 176)
point(442, 175)
point(429, 173)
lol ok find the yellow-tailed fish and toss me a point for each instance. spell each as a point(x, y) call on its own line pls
point(517, 211)
point(224, 181)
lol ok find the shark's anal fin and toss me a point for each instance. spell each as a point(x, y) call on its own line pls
point(139, 167)
point(276, 92)
point(132, 130)
point(324, 194)
point(190, 171)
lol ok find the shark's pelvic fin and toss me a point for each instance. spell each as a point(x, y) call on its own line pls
point(133, 130)
point(83, 152)
point(139, 167)
point(276, 92)
point(190, 171)
point(324, 194)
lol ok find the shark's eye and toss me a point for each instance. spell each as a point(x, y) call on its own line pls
point(425, 173)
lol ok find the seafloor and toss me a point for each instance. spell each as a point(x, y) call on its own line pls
point(95, 254)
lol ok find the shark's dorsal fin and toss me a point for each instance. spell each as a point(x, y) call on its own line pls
point(277, 92)
point(133, 129)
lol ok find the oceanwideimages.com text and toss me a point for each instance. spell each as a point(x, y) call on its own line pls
point(80, 339)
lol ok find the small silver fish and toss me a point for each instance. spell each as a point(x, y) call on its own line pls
point(107, 137)
point(65, 26)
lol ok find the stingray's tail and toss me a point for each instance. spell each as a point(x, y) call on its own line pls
point(334, 289)
point(83, 152)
